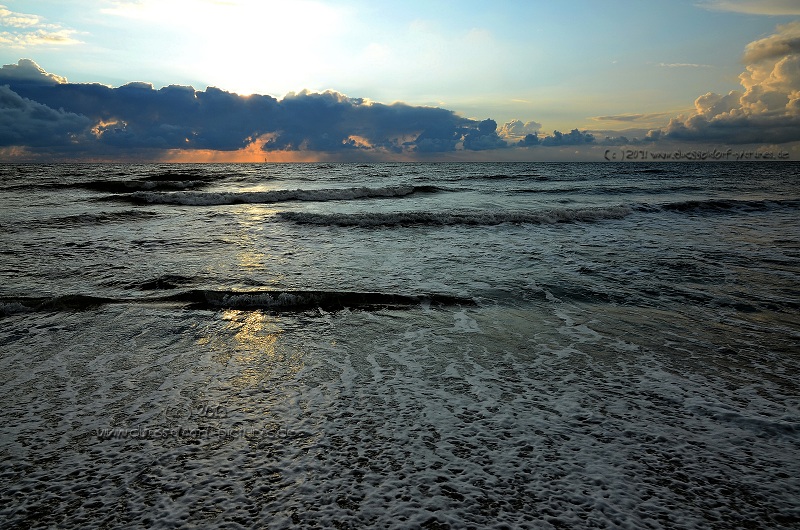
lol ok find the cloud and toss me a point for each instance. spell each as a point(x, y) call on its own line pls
point(683, 65)
point(557, 139)
point(517, 129)
point(574, 137)
point(754, 7)
point(529, 140)
point(768, 107)
point(17, 20)
point(631, 117)
point(785, 42)
point(484, 138)
point(43, 111)
point(26, 30)
point(27, 71)
point(27, 123)
point(138, 116)
point(97, 121)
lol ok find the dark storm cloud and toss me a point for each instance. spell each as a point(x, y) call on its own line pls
point(740, 129)
point(26, 122)
point(485, 137)
point(330, 121)
point(529, 140)
point(136, 115)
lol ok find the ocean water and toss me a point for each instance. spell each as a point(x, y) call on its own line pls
point(400, 345)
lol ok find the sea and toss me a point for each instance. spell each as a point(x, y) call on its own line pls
point(400, 345)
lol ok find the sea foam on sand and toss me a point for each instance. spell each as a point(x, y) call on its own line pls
point(425, 417)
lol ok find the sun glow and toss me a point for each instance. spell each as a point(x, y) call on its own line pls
point(252, 153)
point(107, 125)
point(245, 46)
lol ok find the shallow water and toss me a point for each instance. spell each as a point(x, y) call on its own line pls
point(400, 345)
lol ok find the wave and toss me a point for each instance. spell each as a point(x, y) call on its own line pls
point(265, 197)
point(163, 282)
point(82, 219)
point(280, 301)
point(303, 300)
point(633, 168)
point(71, 302)
point(515, 176)
point(132, 186)
point(473, 218)
point(100, 218)
point(162, 181)
point(179, 176)
point(722, 205)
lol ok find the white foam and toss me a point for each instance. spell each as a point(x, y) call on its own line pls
point(389, 419)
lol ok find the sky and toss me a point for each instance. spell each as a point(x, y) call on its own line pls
point(256, 80)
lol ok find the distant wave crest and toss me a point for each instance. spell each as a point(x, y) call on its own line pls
point(202, 198)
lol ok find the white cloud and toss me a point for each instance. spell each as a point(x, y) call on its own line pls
point(754, 7)
point(17, 20)
point(24, 30)
point(638, 118)
point(516, 129)
point(768, 107)
point(786, 41)
point(28, 70)
point(684, 65)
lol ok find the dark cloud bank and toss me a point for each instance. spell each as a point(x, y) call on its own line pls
point(93, 118)
point(43, 113)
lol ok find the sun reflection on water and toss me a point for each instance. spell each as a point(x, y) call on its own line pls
point(250, 259)
point(253, 351)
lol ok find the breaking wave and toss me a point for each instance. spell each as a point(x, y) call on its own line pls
point(302, 300)
point(200, 198)
point(71, 302)
point(286, 300)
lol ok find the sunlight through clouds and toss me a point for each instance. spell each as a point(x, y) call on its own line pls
point(349, 79)
point(241, 44)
